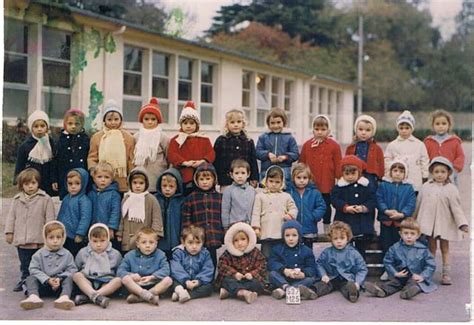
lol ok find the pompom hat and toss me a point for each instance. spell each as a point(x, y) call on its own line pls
point(151, 108)
point(367, 118)
point(406, 117)
point(189, 112)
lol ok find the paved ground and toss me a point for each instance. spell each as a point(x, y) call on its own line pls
point(446, 304)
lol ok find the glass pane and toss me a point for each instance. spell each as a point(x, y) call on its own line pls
point(15, 68)
point(261, 117)
point(55, 74)
point(287, 104)
point(246, 80)
point(56, 104)
point(165, 112)
point(262, 100)
point(160, 64)
point(160, 87)
point(180, 108)
point(206, 72)
point(184, 90)
point(56, 44)
point(261, 82)
point(206, 94)
point(132, 59)
point(15, 36)
point(246, 99)
point(287, 88)
point(274, 101)
point(131, 109)
point(206, 115)
point(132, 84)
point(15, 103)
point(247, 116)
point(275, 85)
point(185, 69)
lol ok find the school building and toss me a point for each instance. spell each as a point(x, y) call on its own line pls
point(57, 57)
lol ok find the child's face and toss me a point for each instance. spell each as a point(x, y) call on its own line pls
point(350, 175)
point(168, 189)
point(73, 125)
point(138, 185)
point(205, 182)
point(404, 130)
point(301, 180)
point(147, 243)
point(275, 124)
point(113, 120)
point(240, 241)
point(240, 175)
point(74, 185)
point(291, 237)
point(39, 128)
point(236, 124)
point(397, 174)
point(150, 121)
point(440, 173)
point(102, 179)
point(54, 239)
point(364, 131)
point(189, 126)
point(274, 184)
point(193, 246)
point(320, 132)
point(409, 236)
point(30, 187)
point(99, 244)
point(339, 240)
point(441, 125)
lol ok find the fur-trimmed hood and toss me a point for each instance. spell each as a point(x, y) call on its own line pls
point(361, 181)
point(233, 230)
point(44, 233)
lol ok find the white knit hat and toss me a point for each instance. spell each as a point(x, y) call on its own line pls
point(189, 112)
point(367, 118)
point(35, 116)
point(406, 117)
point(111, 106)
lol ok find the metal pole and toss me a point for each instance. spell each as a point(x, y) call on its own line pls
point(359, 65)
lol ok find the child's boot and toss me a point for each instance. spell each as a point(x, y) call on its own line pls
point(278, 293)
point(32, 302)
point(374, 290)
point(306, 293)
point(63, 302)
point(100, 300)
point(183, 294)
point(81, 300)
point(248, 296)
point(150, 297)
point(224, 294)
point(353, 291)
point(410, 292)
point(133, 299)
point(445, 278)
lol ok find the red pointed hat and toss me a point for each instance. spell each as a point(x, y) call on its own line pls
point(151, 108)
point(353, 160)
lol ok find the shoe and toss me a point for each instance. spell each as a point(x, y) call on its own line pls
point(224, 294)
point(184, 296)
point(174, 297)
point(410, 292)
point(19, 286)
point(32, 302)
point(306, 293)
point(155, 300)
point(353, 292)
point(446, 280)
point(374, 290)
point(133, 299)
point(81, 300)
point(63, 302)
point(102, 301)
point(249, 296)
point(278, 293)
point(384, 276)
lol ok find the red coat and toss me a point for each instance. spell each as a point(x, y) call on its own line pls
point(375, 159)
point(194, 148)
point(323, 161)
point(451, 149)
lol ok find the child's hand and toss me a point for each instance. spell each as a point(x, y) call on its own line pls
point(282, 158)
point(9, 238)
point(238, 276)
point(197, 163)
point(111, 232)
point(55, 186)
point(254, 183)
point(390, 212)
point(464, 228)
point(417, 278)
point(361, 208)
point(351, 209)
point(325, 278)
point(78, 239)
point(287, 217)
point(288, 273)
point(402, 274)
point(135, 277)
point(257, 232)
point(273, 158)
point(119, 238)
point(248, 276)
point(54, 283)
point(397, 216)
point(188, 163)
point(148, 278)
point(192, 284)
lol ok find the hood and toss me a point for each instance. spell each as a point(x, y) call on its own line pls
point(233, 230)
point(205, 167)
point(179, 181)
point(324, 117)
point(138, 171)
point(44, 232)
point(441, 160)
point(84, 179)
point(37, 115)
point(397, 161)
point(98, 225)
point(264, 180)
point(292, 224)
point(367, 118)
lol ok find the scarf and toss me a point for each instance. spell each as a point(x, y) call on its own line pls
point(147, 146)
point(183, 136)
point(135, 207)
point(41, 152)
point(112, 150)
point(97, 264)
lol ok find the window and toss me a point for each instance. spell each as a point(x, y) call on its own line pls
point(132, 82)
point(263, 105)
point(160, 82)
point(287, 100)
point(207, 77)
point(320, 100)
point(56, 49)
point(246, 77)
point(313, 101)
point(275, 91)
point(185, 82)
point(15, 68)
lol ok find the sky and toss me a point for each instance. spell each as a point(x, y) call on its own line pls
point(443, 12)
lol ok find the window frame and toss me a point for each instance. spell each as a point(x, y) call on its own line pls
point(127, 97)
point(162, 100)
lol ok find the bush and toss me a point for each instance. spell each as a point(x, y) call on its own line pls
point(388, 135)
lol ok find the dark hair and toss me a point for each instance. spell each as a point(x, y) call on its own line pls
point(26, 176)
point(239, 163)
point(320, 121)
point(275, 171)
point(277, 112)
point(195, 231)
point(99, 232)
point(397, 165)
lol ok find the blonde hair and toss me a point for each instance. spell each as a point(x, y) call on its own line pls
point(410, 223)
point(196, 232)
point(340, 227)
point(442, 113)
point(233, 113)
point(145, 231)
point(103, 166)
point(169, 179)
point(26, 176)
point(50, 227)
point(300, 168)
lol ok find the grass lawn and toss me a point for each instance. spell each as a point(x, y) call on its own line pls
point(8, 189)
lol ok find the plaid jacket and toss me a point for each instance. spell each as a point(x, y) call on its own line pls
point(204, 209)
point(229, 147)
point(253, 262)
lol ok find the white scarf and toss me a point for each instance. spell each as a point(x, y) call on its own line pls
point(134, 205)
point(183, 136)
point(98, 264)
point(147, 146)
point(112, 150)
point(41, 152)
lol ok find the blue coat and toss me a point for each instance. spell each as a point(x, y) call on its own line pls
point(170, 211)
point(185, 266)
point(416, 258)
point(280, 144)
point(311, 207)
point(153, 264)
point(76, 211)
point(360, 193)
point(346, 262)
point(71, 152)
point(398, 196)
point(106, 205)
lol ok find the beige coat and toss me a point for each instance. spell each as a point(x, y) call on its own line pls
point(26, 218)
point(439, 211)
point(128, 229)
point(269, 210)
point(93, 157)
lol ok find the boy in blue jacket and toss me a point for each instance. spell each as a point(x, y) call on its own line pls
point(308, 200)
point(340, 266)
point(191, 267)
point(409, 264)
point(76, 210)
point(292, 263)
point(145, 270)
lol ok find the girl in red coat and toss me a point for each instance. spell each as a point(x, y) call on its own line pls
point(189, 148)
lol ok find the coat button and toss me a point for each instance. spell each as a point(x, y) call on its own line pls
point(70, 160)
point(78, 135)
point(356, 195)
point(296, 254)
point(355, 185)
point(67, 137)
point(68, 148)
point(237, 147)
point(80, 148)
point(80, 160)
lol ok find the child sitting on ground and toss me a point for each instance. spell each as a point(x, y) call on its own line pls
point(51, 270)
point(292, 263)
point(191, 267)
point(145, 270)
point(340, 266)
point(97, 264)
point(242, 267)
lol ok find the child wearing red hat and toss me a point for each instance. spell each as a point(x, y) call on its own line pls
point(151, 144)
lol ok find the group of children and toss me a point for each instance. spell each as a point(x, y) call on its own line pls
point(154, 201)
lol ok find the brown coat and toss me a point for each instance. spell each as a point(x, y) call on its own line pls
point(93, 157)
